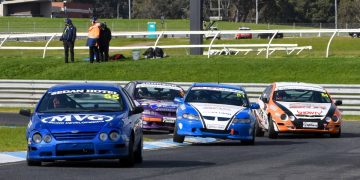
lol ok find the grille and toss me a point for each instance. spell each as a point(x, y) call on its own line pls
point(209, 118)
point(212, 118)
point(168, 114)
point(215, 131)
point(74, 136)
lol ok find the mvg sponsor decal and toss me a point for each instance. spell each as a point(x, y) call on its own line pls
point(77, 119)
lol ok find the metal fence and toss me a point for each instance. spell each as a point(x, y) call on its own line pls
point(26, 93)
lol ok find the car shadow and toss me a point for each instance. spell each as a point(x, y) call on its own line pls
point(257, 143)
point(116, 164)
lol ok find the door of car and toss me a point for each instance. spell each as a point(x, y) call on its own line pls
point(134, 118)
point(263, 102)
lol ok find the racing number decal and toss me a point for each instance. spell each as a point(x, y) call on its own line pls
point(111, 96)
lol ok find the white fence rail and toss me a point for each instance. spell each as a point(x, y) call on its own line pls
point(26, 93)
point(161, 34)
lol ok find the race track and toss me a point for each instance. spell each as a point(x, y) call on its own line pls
point(289, 157)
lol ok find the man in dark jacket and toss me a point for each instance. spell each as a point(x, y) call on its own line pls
point(104, 42)
point(68, 38)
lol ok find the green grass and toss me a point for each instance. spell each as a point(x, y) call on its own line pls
point(189, 69)
point(12, 139)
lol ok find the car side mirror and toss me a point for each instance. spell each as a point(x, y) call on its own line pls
point(179, 100)
point(338, 102)
point(138, 110)
point(265, 100)
point(25, 112)
point(254, 106)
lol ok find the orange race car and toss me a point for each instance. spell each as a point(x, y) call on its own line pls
point(287, 107)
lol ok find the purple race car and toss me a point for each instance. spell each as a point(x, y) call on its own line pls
point(157, 99)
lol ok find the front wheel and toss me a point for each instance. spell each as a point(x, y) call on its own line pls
point(272, 133)
point(249, 142)
point(258, 130)
point(129, 160)
point(178, 138)
point(336, 135)
point(32, 162)
point(139, 152)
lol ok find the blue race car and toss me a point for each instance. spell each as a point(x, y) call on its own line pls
point(215, 110)
point(85, 121)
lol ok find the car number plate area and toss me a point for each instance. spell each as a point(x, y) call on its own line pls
point(169, 119)
point(310, 125)
point(75, 146)
point(215, 126)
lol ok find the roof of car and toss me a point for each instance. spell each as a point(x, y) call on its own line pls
point(298, 85)
point(218, 85)
point(244, 28)
point(103, 86)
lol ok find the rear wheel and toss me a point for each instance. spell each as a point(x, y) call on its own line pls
point(129, 160)
point(178, 138)
point(336, 135)
point(258, 130)
point(272, 133)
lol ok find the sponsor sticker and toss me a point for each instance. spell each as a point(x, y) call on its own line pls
point(78, 91)
point(77, 119)
point(219, 89)
point(169, 119)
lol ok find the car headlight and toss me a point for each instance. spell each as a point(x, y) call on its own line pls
point(191, 116)
point(37, 138)
point(103, 136)
point(47, 138)
point(333, 118)
point(284, 117)
point(114, 136)
point(240, 120)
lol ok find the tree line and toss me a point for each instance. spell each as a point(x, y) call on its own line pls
point(270, 11)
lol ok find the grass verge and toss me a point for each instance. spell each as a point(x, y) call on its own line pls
point(12, 139)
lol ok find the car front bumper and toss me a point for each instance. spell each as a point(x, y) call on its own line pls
point(81, 149)
point(236, 131)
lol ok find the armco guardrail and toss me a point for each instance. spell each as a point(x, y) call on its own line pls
point(26, 93)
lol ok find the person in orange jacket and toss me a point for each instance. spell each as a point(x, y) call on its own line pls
point(92, 41)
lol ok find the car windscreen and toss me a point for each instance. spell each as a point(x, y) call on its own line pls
point(217, 96)
point(298, 95)
point(157, 92)
point(84, 100)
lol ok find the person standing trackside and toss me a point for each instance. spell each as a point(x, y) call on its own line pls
point(68, 38)
point(92, 41)
point(104, 42)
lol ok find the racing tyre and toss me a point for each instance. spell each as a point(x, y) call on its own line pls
point(249, 142)
point(336, 135)
point(272, 133)
point(129, 160)
point(354, 35)
point(138, 152)
point(32, 162)
point(177, 138)
point(258, 130)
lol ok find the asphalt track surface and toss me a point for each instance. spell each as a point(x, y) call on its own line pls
point(288, 157)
